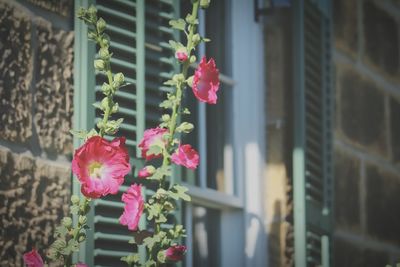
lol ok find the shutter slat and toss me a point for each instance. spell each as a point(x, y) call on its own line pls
point(116, 13)
point(111, 237)
point(117, 30)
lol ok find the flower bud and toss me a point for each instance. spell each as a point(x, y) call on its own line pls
point(104, 53)
point(190, 81)
point(119, 78)
point(67, 222)
point(81, 237)
point(82, 220)
point(175, 253)
point(204, 3)
point(92, 35)
point(192, 59)
point(181, 54)
point(101, 25)
point(178, 78)
point(99, 64)
point(106, 88)
point(75, 199)
point(146, 171)
point(196, 39)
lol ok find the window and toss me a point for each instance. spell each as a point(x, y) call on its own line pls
point(220, 217)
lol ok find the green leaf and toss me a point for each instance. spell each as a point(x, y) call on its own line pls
point(186, 111)
point(185, 127)
point(179, 24)
point(60, 231)
point(91, 133)
point(178, 191)
point(81, 134)
point(74, 209)
point(97, 105)
point(161, 172)
point(131, 258)
point(166, 104)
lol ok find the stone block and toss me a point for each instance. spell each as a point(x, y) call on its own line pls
point(381, 38)
point(34, 194)
point(347, 191)
point(345, 20)
point(395, 129)
point(61, 7)
point(382, 202)
point(54, 88)
point(16, 68)
point(361, 111)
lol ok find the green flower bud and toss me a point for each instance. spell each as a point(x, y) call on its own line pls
point(119, 78)
point(75, 199)
point(101, 25)
point(178, 78)
point(192, 59)
point(81, 12)
point(190, 81)
point(81, 237)
point(196, 39)
point(99, 64)
point(105, 40)
point(115, 108)
point(92, 10)
point(82, 220)
point(92, 35)
point(106, 88)
point(104, 103)
point(104, 53)
point(204, 3)
point(67, 222)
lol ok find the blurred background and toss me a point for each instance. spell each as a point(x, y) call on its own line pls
point(299, 158)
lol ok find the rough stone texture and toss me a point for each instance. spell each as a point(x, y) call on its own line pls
point(34, 194)
point(383, 200)
point(61, 7)
point(347, 191)
point(378, 26)
point(348, 254)
point(15, 74)
point(361, 111)
point(54, 88)
point(395, 129)
point(345, 24)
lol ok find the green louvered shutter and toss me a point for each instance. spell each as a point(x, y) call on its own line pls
point(139, 35)
point(160, 62)
point(313, 114)
point(107, 240)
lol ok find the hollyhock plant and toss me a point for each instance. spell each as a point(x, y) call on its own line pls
point(206, 81)
point(133, 209)
point(175, 253)
point(150, 137)
point(186, 156)
point(101, 166)
point(181, 55)
point(146, 172)
point(33, 259)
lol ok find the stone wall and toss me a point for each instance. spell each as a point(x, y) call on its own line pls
point(366, 138)
point(36, 51)
point(367, 170)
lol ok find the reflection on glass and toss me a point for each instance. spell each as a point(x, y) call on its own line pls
point(206, 237)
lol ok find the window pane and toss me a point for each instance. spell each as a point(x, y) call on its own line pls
point(206, 237)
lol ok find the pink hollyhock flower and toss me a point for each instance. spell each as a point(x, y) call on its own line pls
point(206, 81)
point(133, 209)
point(150, 136)
point(79, 264)
point(146, 172)
point(186, 156)
point(181, 55)
point(33, 259)
point(101, 166)
point(175, 253)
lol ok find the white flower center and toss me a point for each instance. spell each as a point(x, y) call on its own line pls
point(95, 169)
